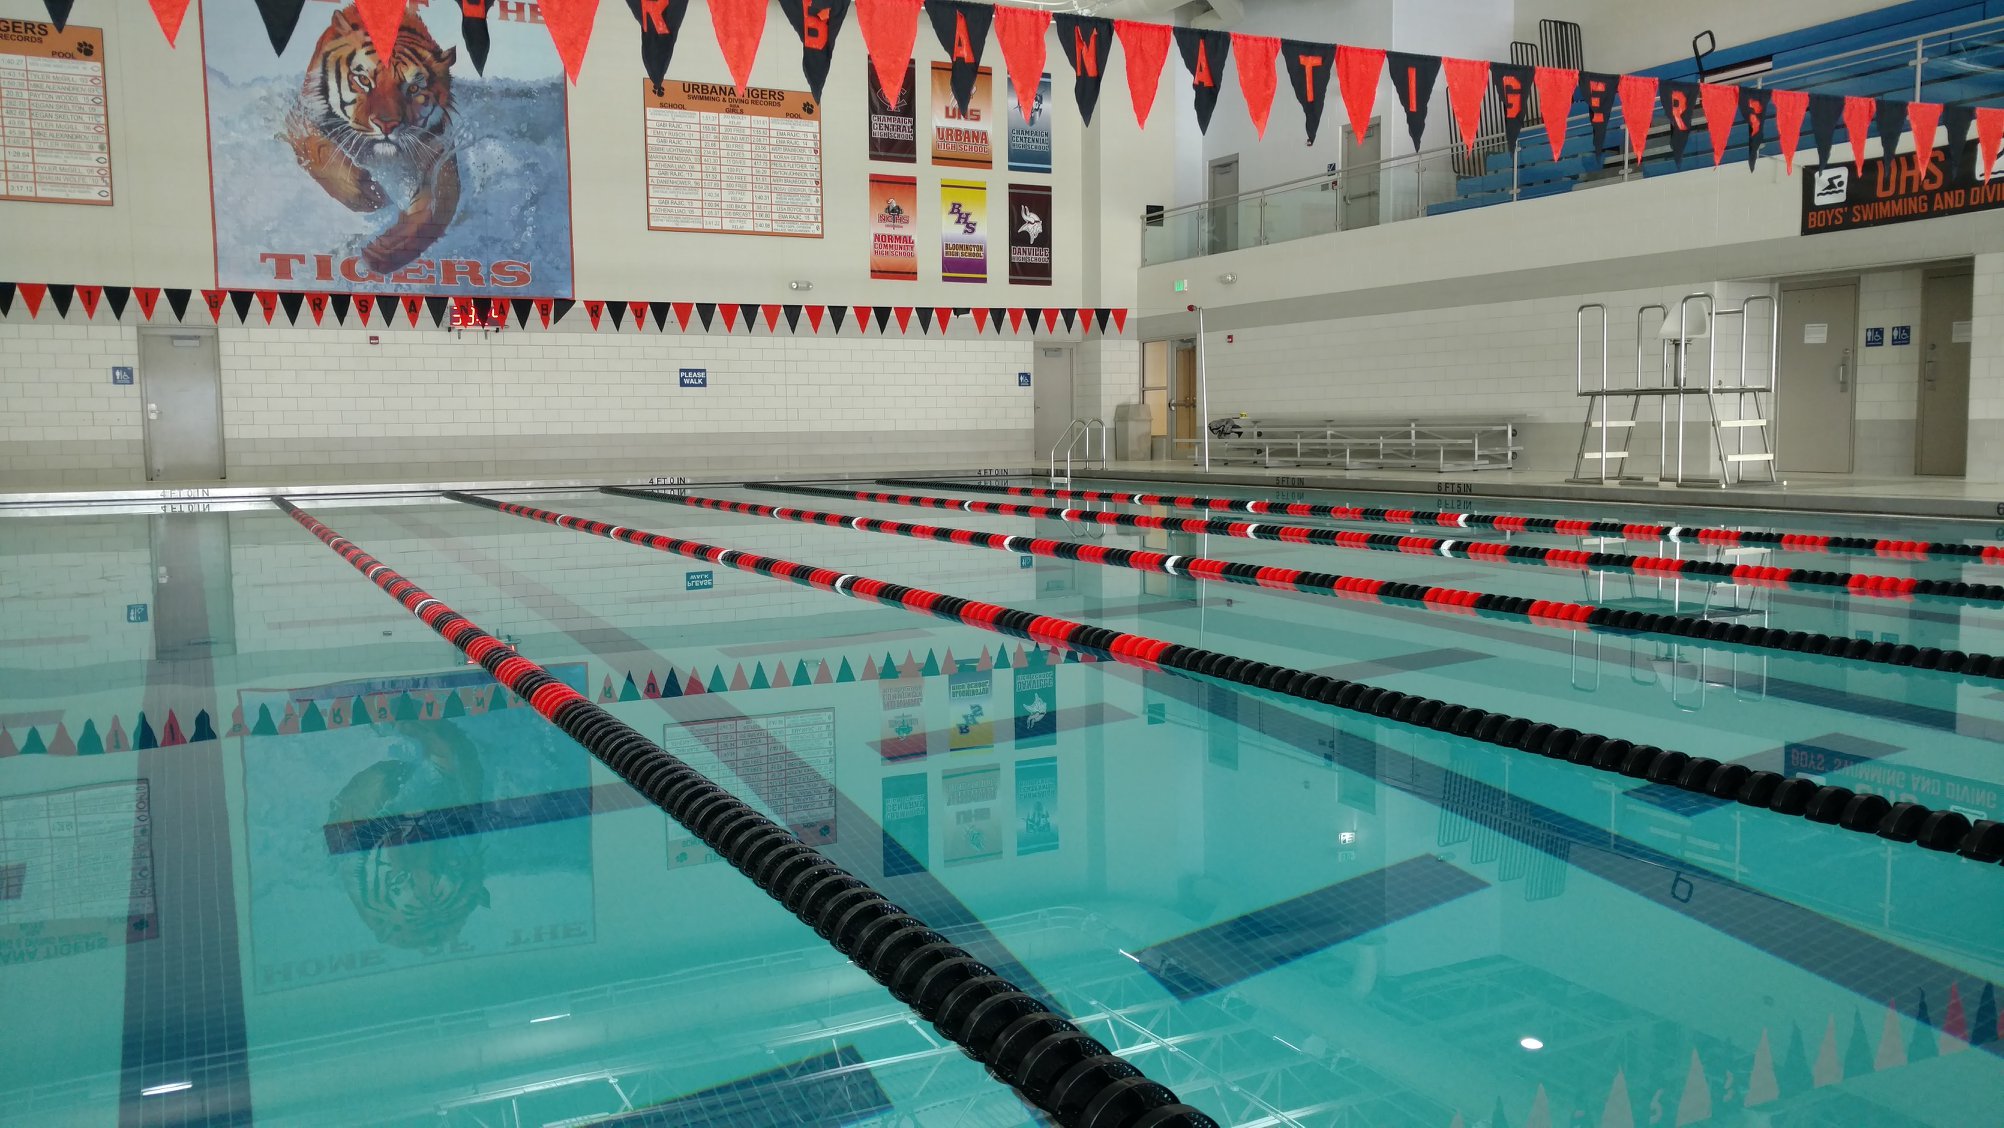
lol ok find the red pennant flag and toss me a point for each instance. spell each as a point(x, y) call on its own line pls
point(945, 316)
point(1467, 82)
point(1722, 107)
point(889, 27)
point(904, 316)
point(639, 312)
point(383, 20)
point(1050, 321)
point(1556, 87)
point(1789, 106)
point(544, 306)
point(1989, 134)
point(1923, 118)
point(149, 296)
point(682, 312)
point(268, 301)
point(570, 29)
point(862, 319)
point(1145, 47)
point(169, 13)
point(594, 310)
point(31, 292)
point(364, 305)
point(1638, 109)
point(214, 299)
point(771, 317)
point(318, 304)
point(980, 319)
point(1857, 119)
point(1119, 321)
point(1020, 34)
point(730, 312)
point(413, 305)
point(1015, 319)
point(814, 314)
point(739, 25)
point(1357, 71)
point(90, 295)
point(1255, 55)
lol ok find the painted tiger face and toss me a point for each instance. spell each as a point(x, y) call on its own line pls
point(387, 105)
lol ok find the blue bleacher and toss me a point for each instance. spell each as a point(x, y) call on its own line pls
point(1969, 74)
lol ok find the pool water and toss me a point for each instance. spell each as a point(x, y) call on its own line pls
point(271, 850)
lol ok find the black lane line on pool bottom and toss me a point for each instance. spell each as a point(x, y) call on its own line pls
point(1541, 612)
point(1054, 1064)
point(1861, 812)
point(1507, 523)
point(1764, 575)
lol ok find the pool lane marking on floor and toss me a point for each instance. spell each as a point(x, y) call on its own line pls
point(836, 1087)
point(1885, 547)
point(1857, 584)
point(1858, 812)
point(1558, 614)
point(750, 843)
point(1864, 963)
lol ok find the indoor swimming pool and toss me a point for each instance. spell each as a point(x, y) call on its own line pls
point(272, 849)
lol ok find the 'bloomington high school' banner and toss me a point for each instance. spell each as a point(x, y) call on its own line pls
point(894, 228)
point(1838, 197)
point(962, 140)
point(334, 171)
point(963, 231)
point(894, 121)
point(1029, 223)
point(1030, 141)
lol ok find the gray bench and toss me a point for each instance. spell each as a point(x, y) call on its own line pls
point(1365, 444)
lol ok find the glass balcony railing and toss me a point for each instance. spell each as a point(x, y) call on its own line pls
point(1960, 64)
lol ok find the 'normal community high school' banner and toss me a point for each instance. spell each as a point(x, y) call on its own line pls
point(894, 227)
point(469, 193)
point(963, 231)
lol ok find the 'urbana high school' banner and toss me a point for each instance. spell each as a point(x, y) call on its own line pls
point(336, 169)
point(1839, 197)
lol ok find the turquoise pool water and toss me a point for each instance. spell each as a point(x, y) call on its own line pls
point(271, 850)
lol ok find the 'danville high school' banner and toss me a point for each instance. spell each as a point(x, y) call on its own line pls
point(1029, 223)
point(336, 172)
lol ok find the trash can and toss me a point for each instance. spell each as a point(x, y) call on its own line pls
point(1131, 424)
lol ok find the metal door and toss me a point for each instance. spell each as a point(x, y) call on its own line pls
point(1357, 181)
point(1941, 435)
point(1224, 198)
point(1818, 379)
point(1052, 398)
point(1183, 421)
point(194, 602)
point(181, 384)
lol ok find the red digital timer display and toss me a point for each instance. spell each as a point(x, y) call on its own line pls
point(478, 313)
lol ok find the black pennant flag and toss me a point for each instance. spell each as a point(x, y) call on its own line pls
point(995, 316)
point(1413, 77)
point(1513, 91)
point(963, 34)
point(62, 293)
point(6, 298)
point(438, 307)
point(817, 23)
point(473, 31)
point(1892, 121)
point(177, 300)
point(1825, 111)
point(1753, 104)
point(1204, 53)
point(883, 318)
point(924, 319)
point(660, 310)
point(839, 315)
point(1600, 90)
point(291, 303)
point(792, 313)
point(59, 12)
point(1957, 118)
point(1680, 105)
point(340, 303)
point(560, 307)
point(704, 312)
point(660, 27)
point(242, 300)
point(618, 312)
point(1071, 316)
point(1309, 66)
point(116, 297)
point(523, 308)
point(1086, 40)
point(280, 17)
point(748, 313)
point(1099, 317)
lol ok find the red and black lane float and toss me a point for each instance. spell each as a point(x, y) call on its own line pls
point(1432, 597)
point(1887, 547)
point(1055, 1065)
point(1759, 575)
point(1862, 812)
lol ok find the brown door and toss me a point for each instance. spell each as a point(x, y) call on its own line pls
point(1816, 387)
point(1941, 435)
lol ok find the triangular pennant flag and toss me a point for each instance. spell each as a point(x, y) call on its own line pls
point(116, 297)
point(413, 305)
point(1145, 47)
point(32, 293)
point(1958, 120)
point(838, 315)
point(1599, 90)
point(1892, 1040)
point(90, 295)
point(523, 307)
point(569, 22)
point(1638, 111)
point(1309, 66)
point(1891, 120)
point(730, 313)
point(1070, 316)
point(59, 11)
point(1086, 41)
point(883, 314)
point(560, 307)
point(1761, 1084)
point(962, 28)
point(1556, 88)
point(1357, 70)
point(1016, 319)
point(1722, 107)
point(1695, 1104)
point(280, 17)
point(1858, 1051)
point(792, 313)
point(1204, 53)
point(890, 29)
point(291, 303)
point(1924, 1044)
point(439, 307)
point(62, 294)
point(473, 32)
point(945, 317)
point(1467, 83)
point(365, 304)
point(996, 315)
point(1754, 106)
point(1989, 134)
point(1120, 320)
point(1020, 34)
point(1680, 105)
point(924, 319)
point(1050, 320)
point(1954, 1023)
point(1788, 107)
point(739, 25)
point(748, 313)
point(6, 298)
point(242, 299)
point(1099, 317)
point(617, 311)
point(1858, 113)
point(149, 299)
point(1257, 77)
point(980, 319)
point(704, 312)
point(682, 312)
point(904, 314)
point(817, 23)
point(1513, 92)
point(1619, 1110)
point(814, 315)
point(863, 314)
point(170, 13)
point(1925, 118)
point(1413, 78)
point(594, 310)
point(316, 304)
point(383, 20)
point(771, 313)
point(1983, 1025)
point(1796, 1076)
point(660, 31)
point(268, 302)
point(1826, 111)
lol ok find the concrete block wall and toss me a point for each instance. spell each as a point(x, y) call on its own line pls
point(1986, 372)
point(62, 420)
point(1888, 387)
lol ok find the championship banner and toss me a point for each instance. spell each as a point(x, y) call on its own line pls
point(1030, 141)
point(972, 724)
point(1036, 707)
point(1029, 234)
point(894, 121)
point(1036, 805)
point(961, 140)
point(469, 194)
point(963, 231)
point(906, 823)
point(893, 228)
point(904, 719)
point(1835, 197)
point(726, 163)
point(973, 827)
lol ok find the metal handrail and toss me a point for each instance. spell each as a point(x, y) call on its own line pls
point(1076, 430)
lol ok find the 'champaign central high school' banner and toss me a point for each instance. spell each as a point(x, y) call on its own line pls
point(338, 170)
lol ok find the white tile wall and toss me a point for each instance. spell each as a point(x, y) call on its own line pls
point(60, 414)
point(1888, 384)
point(1986, 372)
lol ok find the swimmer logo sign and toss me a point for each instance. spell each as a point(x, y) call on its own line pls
point(333, 174)
point(1837, 197)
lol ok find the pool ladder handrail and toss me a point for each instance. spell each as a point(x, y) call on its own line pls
point(1068, 442)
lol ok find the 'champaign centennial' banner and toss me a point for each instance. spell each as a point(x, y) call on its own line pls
point(963, 231)
point(338, 170)
point(1030, 141)
point(1029, 224)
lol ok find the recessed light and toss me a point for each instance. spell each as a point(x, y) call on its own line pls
point(549, 1018)
point(1530, 1043)
point(170, 1087)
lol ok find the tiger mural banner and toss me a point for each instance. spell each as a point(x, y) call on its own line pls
point(337, 170)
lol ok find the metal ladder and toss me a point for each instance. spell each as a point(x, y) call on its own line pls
point(1600, 418)
point(1075, 431)
point(1751, 403)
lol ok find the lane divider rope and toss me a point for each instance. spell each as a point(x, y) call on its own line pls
point(1431, 597)
point(1886, 547)
point(1829, 804)
point(1055, 1065)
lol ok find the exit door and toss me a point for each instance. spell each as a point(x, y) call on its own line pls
point(1224, 197)
point(1183, 421)
point(1941, 439)
point(1359, 190)
point(181, 385)
point(1817, 382)
point(1051, 397)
